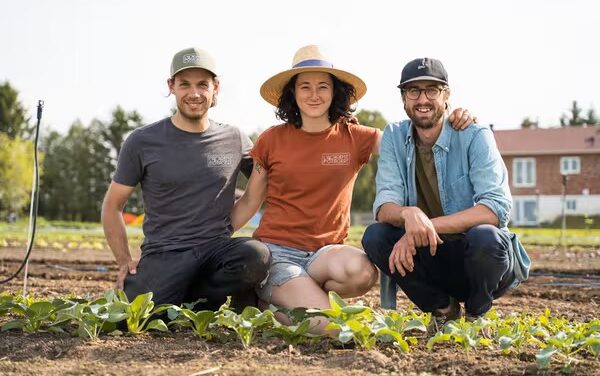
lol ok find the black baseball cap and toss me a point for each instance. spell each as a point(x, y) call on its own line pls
point(423, 69)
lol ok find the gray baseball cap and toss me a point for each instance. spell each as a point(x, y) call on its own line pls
point(193, 58)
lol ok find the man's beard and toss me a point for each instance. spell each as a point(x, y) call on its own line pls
point(438, 113)
point(187, 115)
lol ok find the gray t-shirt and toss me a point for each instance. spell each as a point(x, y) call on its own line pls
point(187, 179)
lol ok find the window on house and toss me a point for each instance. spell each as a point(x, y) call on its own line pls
point(571, 205)
point(524, 172)
point(525, 212)
point(570, 165)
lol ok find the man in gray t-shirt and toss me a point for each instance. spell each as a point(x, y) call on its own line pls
point(187, 166)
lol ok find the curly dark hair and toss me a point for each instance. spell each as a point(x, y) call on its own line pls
point(343, 95)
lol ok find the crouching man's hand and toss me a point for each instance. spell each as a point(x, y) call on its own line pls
point(401, 258)
point(124, 269)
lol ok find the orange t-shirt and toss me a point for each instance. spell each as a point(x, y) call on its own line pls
point(310, 177)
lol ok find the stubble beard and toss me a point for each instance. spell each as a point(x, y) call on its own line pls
point(192, 117)
point(438, 113)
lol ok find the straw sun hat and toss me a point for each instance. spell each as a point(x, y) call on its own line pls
point(308, 59)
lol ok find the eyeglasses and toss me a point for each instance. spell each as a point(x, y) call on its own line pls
point(432, 93)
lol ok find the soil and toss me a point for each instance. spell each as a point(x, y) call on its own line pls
point(566, 281)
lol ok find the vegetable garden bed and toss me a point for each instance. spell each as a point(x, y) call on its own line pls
point(548, 316)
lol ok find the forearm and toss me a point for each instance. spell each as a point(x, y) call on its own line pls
point(243, 210)
point(464, 220)
point(253, 197)
point(392, 214)
point(116, 235)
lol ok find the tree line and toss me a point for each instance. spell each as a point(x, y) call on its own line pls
point(574, 118)
point(76, 167)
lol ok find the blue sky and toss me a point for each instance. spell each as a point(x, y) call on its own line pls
point(506, 59)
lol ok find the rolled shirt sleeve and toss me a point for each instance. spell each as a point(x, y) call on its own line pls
point(391, 177)
point(489, 176)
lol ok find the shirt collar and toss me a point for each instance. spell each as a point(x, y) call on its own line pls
point(443, 140)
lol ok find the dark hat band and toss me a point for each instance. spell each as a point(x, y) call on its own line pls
point(313, 63)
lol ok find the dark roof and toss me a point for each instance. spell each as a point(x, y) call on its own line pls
point(538, 141)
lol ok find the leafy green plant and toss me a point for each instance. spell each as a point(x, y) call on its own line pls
point(353, 321)
point(566, 340)
point(246, 324)
point(199, 321)
point(140, 312)
point(462, 332)
point(292, 334)
point(32, 316)
point(391, 326)
point(93, 318)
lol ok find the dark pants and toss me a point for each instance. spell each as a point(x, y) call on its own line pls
point(224, 267)
point(475, 268)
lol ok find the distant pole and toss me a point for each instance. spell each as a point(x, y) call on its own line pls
point(565, 179)
point(537, 207)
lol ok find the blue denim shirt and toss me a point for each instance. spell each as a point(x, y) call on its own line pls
point(470, 171)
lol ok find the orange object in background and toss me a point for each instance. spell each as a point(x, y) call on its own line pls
point(129, 218)
point(139, 220)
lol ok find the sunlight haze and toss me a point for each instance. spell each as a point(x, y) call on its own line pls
point(506, 60)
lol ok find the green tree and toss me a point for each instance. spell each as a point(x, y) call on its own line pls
point(592, 119)
point(53, 198)
point(79, 165)
point(114, 133)
point(573, 119)
point(363, 194)
point(13, 117)
point(16, 174)
point(121, 124)
point(77, 168)
point(371, 118)
point(528, 123)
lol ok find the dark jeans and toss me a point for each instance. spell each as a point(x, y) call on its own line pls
point(475, 268)
point(224, 267)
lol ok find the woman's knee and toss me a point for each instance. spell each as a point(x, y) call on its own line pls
point(361, 273)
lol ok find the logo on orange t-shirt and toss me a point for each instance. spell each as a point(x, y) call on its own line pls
point(335, 159)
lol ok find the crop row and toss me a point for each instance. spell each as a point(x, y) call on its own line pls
point(553, 338)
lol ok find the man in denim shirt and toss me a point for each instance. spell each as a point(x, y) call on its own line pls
point(442, 206)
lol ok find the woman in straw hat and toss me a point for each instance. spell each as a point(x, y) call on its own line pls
point(305, 170)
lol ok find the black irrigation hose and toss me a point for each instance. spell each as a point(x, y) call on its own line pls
point(33, 210)
point(564, 275)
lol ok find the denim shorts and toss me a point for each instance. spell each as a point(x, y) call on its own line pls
point(287, 263)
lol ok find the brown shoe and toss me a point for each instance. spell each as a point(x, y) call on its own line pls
point(484, 329)
point(440, 317)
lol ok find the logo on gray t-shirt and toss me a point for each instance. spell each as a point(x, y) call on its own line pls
point(219, 160)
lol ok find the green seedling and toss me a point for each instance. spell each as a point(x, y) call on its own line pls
point(32, 318)
point(140, 311)
point(463, 333)
point(391, 326)
point(246, 324)
point(293, 334)
point(199, 321)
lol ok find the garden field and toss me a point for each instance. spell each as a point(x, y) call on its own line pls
point(549, 325)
